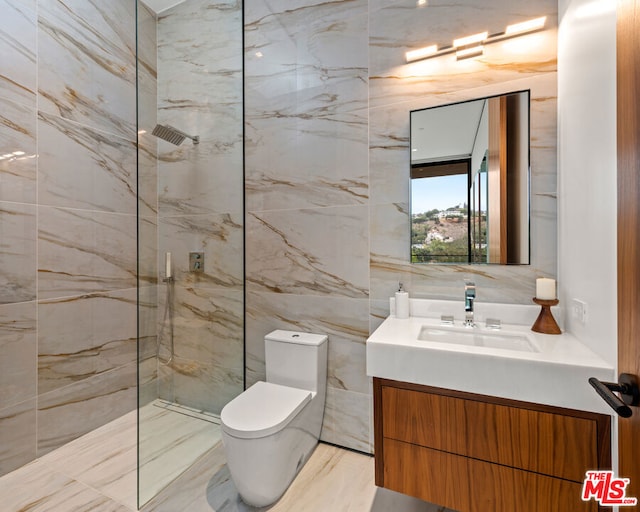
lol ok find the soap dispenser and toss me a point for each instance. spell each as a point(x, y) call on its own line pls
point(402, 303)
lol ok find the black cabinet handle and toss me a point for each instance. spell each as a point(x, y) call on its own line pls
point(628, 389)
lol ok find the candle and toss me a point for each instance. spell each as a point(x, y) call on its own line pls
point(545, 288)
point(167, 264)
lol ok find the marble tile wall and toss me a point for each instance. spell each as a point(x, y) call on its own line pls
point(327, 102)
point(67, 221)
point(147, 202)
point(307, 192)
point(200, 201)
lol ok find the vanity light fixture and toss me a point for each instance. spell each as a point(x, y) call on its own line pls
point(468, 52)
point(422, 53)
point(525, 27)
point(469, 40)
point(472, 46)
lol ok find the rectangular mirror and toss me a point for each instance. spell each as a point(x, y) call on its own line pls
point(470, 181)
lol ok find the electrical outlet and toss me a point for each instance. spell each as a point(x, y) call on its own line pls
point(579, 310)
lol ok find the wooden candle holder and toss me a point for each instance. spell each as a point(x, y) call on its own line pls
point(545, 323)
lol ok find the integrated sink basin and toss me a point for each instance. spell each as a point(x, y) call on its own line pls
point(513, 362)
point(473, 337)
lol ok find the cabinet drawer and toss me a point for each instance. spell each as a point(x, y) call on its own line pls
point(543, 442)
point(469, 485)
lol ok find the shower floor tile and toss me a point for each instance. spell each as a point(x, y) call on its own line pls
point(37, 488)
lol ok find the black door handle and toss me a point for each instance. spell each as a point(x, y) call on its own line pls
point(627, 386)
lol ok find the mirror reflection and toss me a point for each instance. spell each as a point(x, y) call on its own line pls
point(470, 181)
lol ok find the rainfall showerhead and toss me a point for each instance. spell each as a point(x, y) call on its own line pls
point(173, 135)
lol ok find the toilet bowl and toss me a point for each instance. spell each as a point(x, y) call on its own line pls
point(271, 429)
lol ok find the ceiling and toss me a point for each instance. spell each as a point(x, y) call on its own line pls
point(158, 6)
point(444, 133)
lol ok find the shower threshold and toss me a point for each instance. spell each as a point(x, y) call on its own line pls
point(187, 411)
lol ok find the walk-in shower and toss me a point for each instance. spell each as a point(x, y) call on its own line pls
point(191, 325)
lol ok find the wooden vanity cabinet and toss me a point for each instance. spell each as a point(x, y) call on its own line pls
point(475, 453)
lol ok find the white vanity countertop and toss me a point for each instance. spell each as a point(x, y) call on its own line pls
point(555, 374)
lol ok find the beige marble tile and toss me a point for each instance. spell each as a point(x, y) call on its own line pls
point(18, 434)
point(170, 444)
point(84, 336)
point(218, 236)
point(147, 59)
point(204, 40)
point(333, 479)
point(36, 487)
point(201, 385)
point(300, 160)
point(82, 251)
point(18, 346)
point(104, 459)
point(97, 84)
point(108, 178)
point(97, 472)
point(344, 320)
point(311, 151)
point(17, 252)
point(321, 251)
point(18, 49)
point(346, 419)
point(207, 327)
point(72, 411)
point(148, 259)
point(18, 158)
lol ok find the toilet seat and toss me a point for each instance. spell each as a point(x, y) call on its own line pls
point(262, 410)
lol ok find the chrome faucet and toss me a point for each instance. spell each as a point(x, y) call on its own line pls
point(469, 298)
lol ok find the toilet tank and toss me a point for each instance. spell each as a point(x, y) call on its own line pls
point(296, 359)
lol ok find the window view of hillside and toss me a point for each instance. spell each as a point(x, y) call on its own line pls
point(441, 234)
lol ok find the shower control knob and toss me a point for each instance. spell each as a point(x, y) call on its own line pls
point(196, 262)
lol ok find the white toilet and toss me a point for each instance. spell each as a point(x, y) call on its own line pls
point(270, 430)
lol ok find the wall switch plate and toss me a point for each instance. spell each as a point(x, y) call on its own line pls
point(579, 310)
point(196, 262)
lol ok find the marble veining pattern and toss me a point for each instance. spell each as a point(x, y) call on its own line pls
point(309, 107)
point(207, 370)
point(71, 411)
point(70, 138)
point(201, 39)
point(83, 168)
point(18, 50)
point(97, 472)
point(17, 172)
point(84, 251)
point(17, 252)
point(344, 320)
point(319, 251)
point(96, 43)
point(398, 26)
point(306, 104)
point(18, 434)
point(218, 236)
point(18, 346)
point(83, 336)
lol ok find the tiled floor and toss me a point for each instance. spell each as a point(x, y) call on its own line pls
point(97, 473)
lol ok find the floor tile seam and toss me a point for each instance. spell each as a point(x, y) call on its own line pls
point(101, 493)
point(54, 468)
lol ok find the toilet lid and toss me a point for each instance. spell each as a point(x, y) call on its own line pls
point(262, 410)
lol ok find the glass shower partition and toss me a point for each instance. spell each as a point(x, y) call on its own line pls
point(190, 231)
